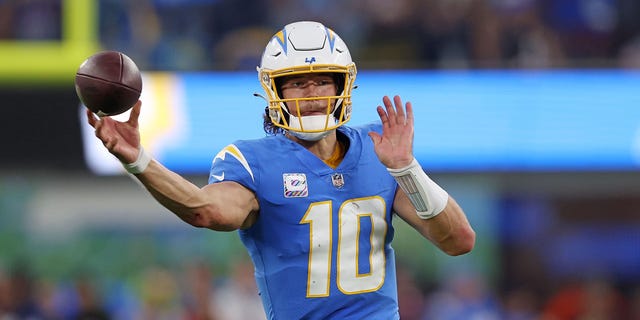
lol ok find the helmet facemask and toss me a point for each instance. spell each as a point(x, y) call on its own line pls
point(282, 59)
point(285, 113)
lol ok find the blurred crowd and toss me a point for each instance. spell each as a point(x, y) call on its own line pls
point(461, 34)
point(191, 292)
point(204, 35)
point(195, 292)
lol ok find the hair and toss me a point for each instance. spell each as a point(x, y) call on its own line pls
point(267, 124)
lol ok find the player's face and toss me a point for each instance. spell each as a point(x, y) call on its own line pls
point(308, 86)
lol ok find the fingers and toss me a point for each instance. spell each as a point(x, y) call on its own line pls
point(98, 125)
point(409, 114)
point(91, 118)
point(391, 115)
point(383, 116)
point(400, 119)
point(135, 114)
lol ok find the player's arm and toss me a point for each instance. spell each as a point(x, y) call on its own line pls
point(222, 206)
point(449, 229)
point(419, 200)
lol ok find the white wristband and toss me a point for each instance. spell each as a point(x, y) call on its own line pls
point(427, 197)
point(140, 164)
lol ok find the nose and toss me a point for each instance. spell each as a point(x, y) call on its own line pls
point(312, 89)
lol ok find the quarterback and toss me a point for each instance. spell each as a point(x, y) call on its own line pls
point(314, 200)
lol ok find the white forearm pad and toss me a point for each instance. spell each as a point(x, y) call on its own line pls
point(140, 164)
point(427, 197)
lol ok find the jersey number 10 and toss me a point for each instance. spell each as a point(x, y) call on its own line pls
point(349, 280)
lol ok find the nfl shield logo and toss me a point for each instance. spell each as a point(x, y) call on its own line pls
point(337, 180)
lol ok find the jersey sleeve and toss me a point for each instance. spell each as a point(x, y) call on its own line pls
point(231, 164)
point(375, 126)
point(364, 129)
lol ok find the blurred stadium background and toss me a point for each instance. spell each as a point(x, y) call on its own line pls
point(545, 162)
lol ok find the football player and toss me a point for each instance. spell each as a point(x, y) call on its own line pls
point(313, 200)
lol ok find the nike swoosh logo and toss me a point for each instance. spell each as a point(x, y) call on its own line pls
point(218, 177)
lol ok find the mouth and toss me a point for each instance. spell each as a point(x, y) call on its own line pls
point(313, 113)
point(312, 108)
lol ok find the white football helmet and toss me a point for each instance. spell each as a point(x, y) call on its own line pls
point(307, 47)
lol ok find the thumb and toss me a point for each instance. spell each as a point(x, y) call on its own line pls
point(135, 114)
point(375, 137)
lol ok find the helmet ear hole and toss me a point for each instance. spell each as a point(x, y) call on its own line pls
point(276, 116)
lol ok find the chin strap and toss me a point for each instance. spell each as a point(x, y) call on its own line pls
point(309, 136)
point(316, 122)
point(427, 197)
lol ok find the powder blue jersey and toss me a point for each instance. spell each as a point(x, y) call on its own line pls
point(321, 244)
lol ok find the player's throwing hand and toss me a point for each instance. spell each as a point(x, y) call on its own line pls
point(122, 139)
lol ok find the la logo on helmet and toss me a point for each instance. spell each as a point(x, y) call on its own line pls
point(310, 60)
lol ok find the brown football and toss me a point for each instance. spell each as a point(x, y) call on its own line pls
point(108, 83)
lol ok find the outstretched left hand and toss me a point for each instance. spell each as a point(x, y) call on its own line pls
point(395, 146)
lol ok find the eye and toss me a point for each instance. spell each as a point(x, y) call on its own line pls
point(324, 82)
point(292, 84)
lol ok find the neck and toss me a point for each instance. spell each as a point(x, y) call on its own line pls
point(323, 148)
